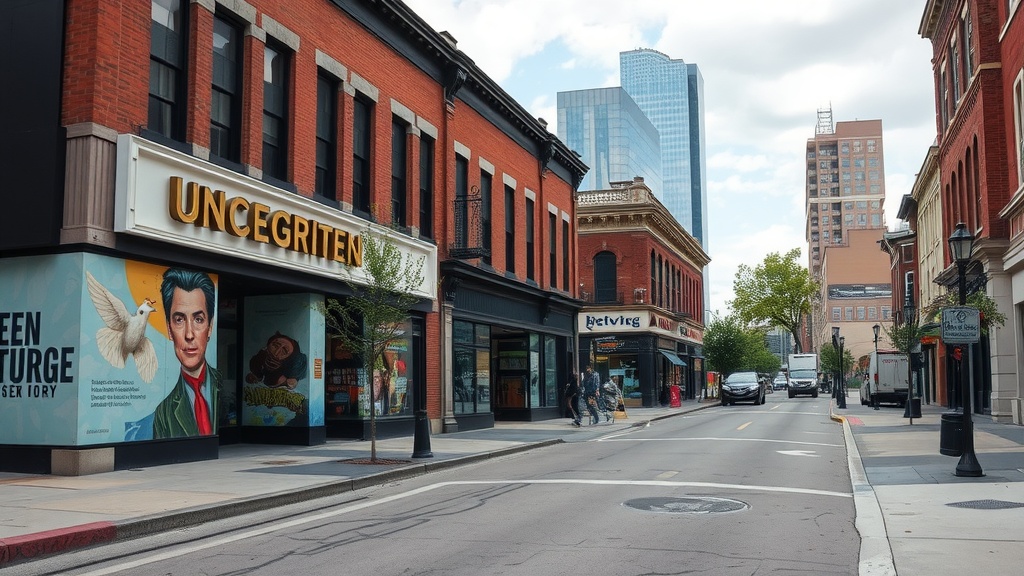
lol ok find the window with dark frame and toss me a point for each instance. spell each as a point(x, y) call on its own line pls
point(530, 273)
point(167, 61)
point(399, 164)
point(326, 136)
point(565, 255)
point(605, 278)
point(226, 103)
point(361, 126)
point(462, 202)
point(510, 229)
point(486, 185)
point(275, 110)
point(553, 250)
point(426, 221)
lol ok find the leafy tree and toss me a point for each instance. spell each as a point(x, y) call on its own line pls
point(828, 359)
point(378, 309)
point(724, 342)
point(777, 292)
point(990, 314)
point(731, 347)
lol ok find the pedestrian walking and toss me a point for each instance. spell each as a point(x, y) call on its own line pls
point(591, 386)
point(572, 398)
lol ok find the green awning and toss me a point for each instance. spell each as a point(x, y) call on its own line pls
point(672, 357)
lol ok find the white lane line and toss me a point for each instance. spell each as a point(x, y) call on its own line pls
point(666, 475)
point(721, 439)
point(415, 492)
point(776, 407)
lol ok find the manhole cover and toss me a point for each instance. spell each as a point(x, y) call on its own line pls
point(987, 504)
point(687, 505)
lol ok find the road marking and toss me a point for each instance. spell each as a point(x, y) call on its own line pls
point(666, 475)
point(775, 407)
point(629, 439)
point(798, 453)
point(744, 426)
point(184, 550)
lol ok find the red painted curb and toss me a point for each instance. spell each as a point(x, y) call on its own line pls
point(16, 548)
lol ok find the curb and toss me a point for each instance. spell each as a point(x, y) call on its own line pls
point(31, 546)
point(875, 551)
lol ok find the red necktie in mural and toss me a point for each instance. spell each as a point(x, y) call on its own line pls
point(201, 408)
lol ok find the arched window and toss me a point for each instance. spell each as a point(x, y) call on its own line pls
point(605, 277)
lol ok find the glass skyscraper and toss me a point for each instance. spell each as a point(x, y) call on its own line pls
point(612, 136)
point(671, 94)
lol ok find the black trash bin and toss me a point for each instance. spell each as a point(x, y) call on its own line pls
point(913, 409)
point(951, 434)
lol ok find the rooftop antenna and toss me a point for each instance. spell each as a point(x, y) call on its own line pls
point(825, 125)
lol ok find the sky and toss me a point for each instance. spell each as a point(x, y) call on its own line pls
point(768, 67)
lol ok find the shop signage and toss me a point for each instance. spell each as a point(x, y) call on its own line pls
point(168, 196)
point(961, 325)
point(604, 322)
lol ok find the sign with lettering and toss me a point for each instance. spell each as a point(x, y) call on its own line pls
point(172, 197)
point(961, 325)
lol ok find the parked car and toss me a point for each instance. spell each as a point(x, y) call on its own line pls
point(743, 387)
point(780, 382)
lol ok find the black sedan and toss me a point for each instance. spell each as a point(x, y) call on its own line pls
point(743, 387)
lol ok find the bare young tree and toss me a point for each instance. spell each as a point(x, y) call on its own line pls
point(378, 310)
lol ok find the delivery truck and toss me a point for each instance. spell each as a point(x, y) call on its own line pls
point(888, 374)
point(803, 375)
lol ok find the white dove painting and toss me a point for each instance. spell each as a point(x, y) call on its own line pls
point(125, 333)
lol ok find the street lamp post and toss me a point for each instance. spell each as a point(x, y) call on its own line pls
point(873, 378)
point(835, 375)
point(909, 317)
point(841, 395)
point(961, 244)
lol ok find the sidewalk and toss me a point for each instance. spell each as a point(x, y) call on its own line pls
point(914, 515)
point(42, 514)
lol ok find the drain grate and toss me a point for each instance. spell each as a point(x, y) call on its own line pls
point(687, 505)
point(987, 504)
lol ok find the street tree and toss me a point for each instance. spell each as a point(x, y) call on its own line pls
point(730, 346)
point(377, 311)
point(777, 293)
point(829, 359)
point(724, 341)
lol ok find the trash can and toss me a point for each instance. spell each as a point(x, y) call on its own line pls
point(951, 434)
point(913, 409)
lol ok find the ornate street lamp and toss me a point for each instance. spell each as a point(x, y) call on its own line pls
point(909, 319)
point(873, 378)
point(961, 245)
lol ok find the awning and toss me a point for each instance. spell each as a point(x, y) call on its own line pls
point(673, 358)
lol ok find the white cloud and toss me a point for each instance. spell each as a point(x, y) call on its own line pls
point(767, 67)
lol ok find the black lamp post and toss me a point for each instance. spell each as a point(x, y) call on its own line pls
point(961, 244)
point(838, 392)
point(909, 319)
point(872, 378)
point(841, 395)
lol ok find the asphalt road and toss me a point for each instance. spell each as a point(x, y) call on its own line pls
point(728, 490)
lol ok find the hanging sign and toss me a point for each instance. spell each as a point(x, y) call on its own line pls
point(961, 325)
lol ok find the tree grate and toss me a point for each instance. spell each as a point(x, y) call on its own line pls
point(987, 504)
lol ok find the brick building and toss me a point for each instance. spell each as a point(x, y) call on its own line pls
point(642, 324)
point(213, 166)
point(977, 51)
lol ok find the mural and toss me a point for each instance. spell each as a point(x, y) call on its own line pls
point(277, 346)
point(97, 350)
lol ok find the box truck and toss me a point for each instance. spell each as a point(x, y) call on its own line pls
point(888, 374)
point(803, 375)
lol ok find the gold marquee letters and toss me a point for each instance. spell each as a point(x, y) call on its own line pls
point(208, 208)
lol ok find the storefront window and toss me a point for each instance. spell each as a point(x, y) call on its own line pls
point(347, 391)
point(471, 369)
point(550, 372)
point(534, 370)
